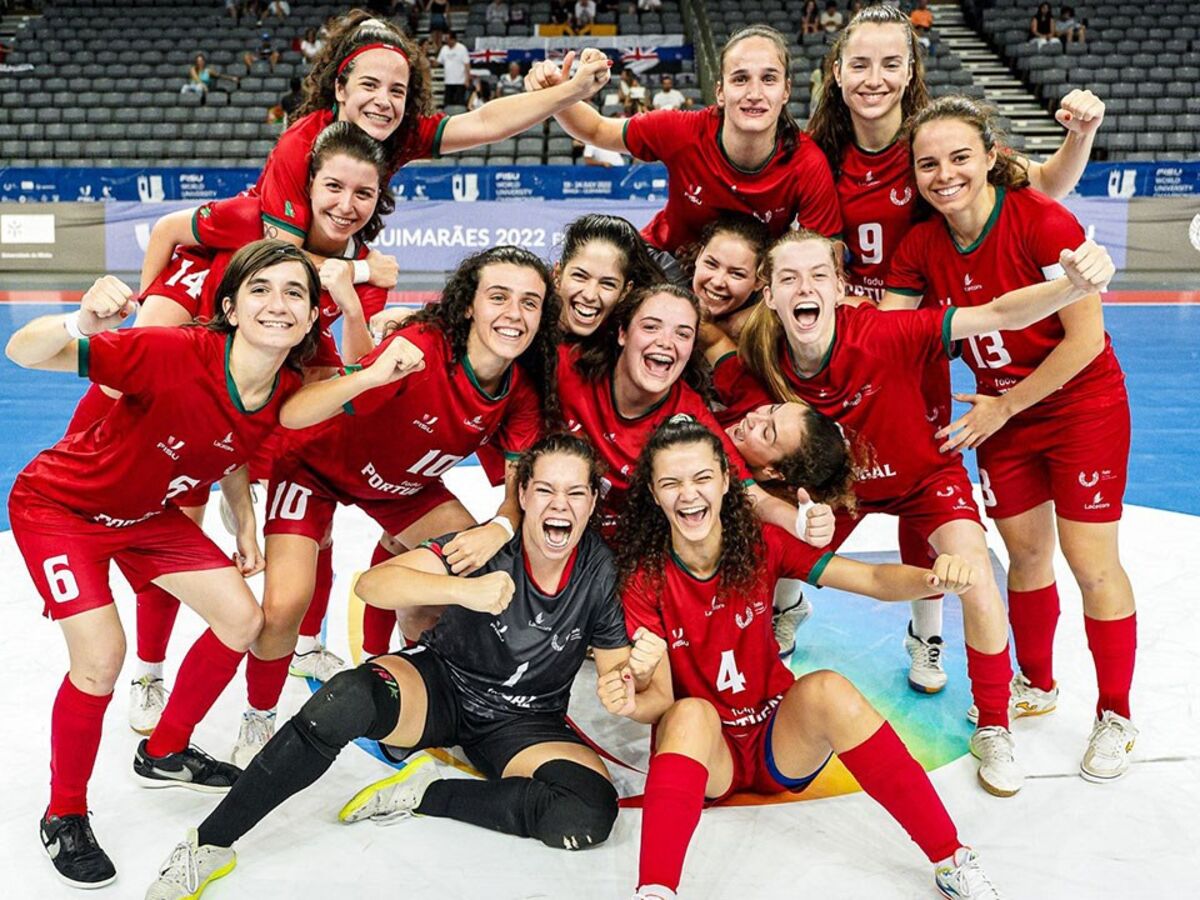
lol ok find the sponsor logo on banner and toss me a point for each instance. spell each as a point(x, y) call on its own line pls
point(27, 228)
point(465, 186)
point(150, 188)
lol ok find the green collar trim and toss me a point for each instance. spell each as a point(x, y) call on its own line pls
point(612, 393)
point(505, 384)
point(987, 226)
point(679, 562)
point(736, 167)
point(231, 385)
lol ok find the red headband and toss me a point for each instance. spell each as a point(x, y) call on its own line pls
point(364, 48)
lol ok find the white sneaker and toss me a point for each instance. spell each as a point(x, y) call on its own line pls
point(998, 770)
point(654, 892)
point(1109, 748)
point(925, 675)
point(787, 621)
point(319, 664)
point(962, 878)
point(258, 727)
point(190, 869)
point(228, 519)
point(1024, 700)
point(395, 797)
point(147, 698)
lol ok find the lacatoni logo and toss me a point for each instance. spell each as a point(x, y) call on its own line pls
point(970, 285)
point(499, 629)
point(870, 176)
point(537, 622)
point(475, 423)
point(171, 446)
point(713, 607)
point(1098, 502)
point(225, 443)
point(426, 423)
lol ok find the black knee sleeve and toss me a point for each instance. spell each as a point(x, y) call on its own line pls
point(360, 702)
point(579, 810)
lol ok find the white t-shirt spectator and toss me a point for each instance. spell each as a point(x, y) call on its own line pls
point(454, 62)
point(497, 11)
point(309, 50)
point(831, 20)
point(601, 157)
point(671, 99)
point(585, 12)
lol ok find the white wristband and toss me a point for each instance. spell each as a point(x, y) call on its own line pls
point(802, 520)
point(71, 323)
point(362, 271)
point(503, 522)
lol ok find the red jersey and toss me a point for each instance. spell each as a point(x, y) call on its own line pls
point(879, 205)
point(588, 406)
point(723, 649)
point(738, 391)
point(180, 425)
point(702, 183)
point(870, 383)
point(400, 437)
point(1019, 246)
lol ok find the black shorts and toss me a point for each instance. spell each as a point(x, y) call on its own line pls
point(489, 744)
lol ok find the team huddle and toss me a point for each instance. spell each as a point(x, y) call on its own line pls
point(687, 422)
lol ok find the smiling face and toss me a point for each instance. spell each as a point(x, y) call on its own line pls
point(344, 193)
point(767, 434)
point(874, 70)
point(689, 486)
point(657, 344)
point(506, 312)
point(590, 284)
point(951, 165)
point(804, 291)
point(272, 309)
point(557, 502)
point(726, 274)
point(374, 93)
point(754, 85)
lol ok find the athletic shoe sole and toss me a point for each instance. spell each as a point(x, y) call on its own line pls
point(363, 797)
point(81, 885)
point(923, 689)
point(219, 873)
point(158, 783)
point(992, 789)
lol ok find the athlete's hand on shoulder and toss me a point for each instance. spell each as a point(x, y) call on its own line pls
point(1088, 266)
point(1081, 112)
point(986, 416)
point(617, 692)
point(591, 74)
point(472, 548)
point(399, 358)
point(950, 573)
point(819, 520)
point(105, 305)
point(388, 320)
point(385, 271)
point(491, 593)
point(648, 651)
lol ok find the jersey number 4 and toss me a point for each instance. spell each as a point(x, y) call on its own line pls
point(728, 677)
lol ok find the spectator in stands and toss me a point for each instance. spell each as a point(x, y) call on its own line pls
point(234, 8)
point(412, 16)
point(517, 15)
point(266, 51)
point(512, 81)
point(290, 102)
point(668, 96)
point(455, 61)
point(497, 11)
point(831, 20)
point(280, 9)
point(439, 18)
point(852, 9)
point(1070, 29)
point(481, 93)
point(816, 84)
point(311, 45)
point(1041, 26)
point(648, 6)
point(201, 77)
point(922, 22)
point(810, 18)
point(585, 13)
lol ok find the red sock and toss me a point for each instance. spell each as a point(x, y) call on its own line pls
point(75, 724)
point(378, 624)
point(310, 626)
point(670, 813)
point(1114, 647)
point(991, 676)
point(891, 777)
point(265, 679)
point(1034, 616)
point(93, 406)
point(208, 667)
point(156, 612)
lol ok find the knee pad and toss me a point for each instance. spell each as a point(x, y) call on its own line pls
point(582, 808)
point(360, 702)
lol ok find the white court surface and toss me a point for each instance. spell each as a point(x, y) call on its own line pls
point(1061, 837)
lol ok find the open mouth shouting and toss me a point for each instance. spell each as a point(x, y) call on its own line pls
point(588, 316)
point(658, 364)
point(692, 517)
point(806, 313)
point(556, 532)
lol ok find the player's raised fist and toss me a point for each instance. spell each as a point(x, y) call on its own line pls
point(648, 651)
point(105, 305)
point(399, 358)
point(1088, 266)
point(616, 691)
point(591, 74)
point(950, 573)
point(492, 593)
point(388, 320)
point(1081, 112)
point(385, 271)
point(336, 277)
point(543, 74)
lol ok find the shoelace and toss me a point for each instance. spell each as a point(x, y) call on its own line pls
point(76, 834)
point(971, 875)
point(257, 728)
point(182, 862)
point(1110, 739)
point(995, 742)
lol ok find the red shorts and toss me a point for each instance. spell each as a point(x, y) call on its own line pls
point(300, 502)
point(935, 390)
point(754, 768)
point(183, 279)
point(68, 556)
point(1079, 459)
point(945, 496)
point(229, 224)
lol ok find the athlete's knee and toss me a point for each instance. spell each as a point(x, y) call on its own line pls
point(359, 702)
point(581, 809)
point(96, 671)
point(241, 626)
point(691, 715)
point(826, 688)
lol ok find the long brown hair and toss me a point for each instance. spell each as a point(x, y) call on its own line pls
point(787, 130)
point(823, 464)
point(831, 124)
point(347, 139)
point(1011, 169)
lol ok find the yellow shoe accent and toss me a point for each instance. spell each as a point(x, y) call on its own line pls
point(363, 797)
point(219, 873)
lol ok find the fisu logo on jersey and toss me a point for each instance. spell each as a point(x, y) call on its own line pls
point(171, 446)
point(426, 423)
point(678, 639)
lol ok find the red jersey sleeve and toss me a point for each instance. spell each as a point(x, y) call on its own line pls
point(655, 135)
point(425, 141)
point(283, 185)
point(326, 355)
point(738, 390)
point(641, 608)
point(133, 360)
point(522, 418)
point(818, 206)
point(230, 223)
point(906, 336)
point(788, 557)
point(906, 274)
point(1049, 234)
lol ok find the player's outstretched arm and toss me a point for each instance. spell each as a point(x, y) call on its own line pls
point(891, 581)
point(1087, 271)
point(1081, 113)
point(51, 343)
point(418, 578)
point(618, 686)
point(580, 120)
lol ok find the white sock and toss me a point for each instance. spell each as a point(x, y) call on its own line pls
point(927, 618)
point(307, 643)
point(143, 668)
point(788, 592)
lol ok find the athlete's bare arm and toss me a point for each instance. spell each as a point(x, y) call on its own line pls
point(580, 120)
point(418, 578)
point(45, 342)
point(894, 581)
point(1081, 113)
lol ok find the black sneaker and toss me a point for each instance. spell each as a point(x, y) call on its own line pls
point(76, 855)
point(190, 768)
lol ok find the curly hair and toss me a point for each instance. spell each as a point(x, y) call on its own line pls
point(823, 464)
point(452, 316)
point(646, 532)
point(787, 130)
point(248, 262)
point(831, 124)
point(751, 231)
point(356, 29)
point(1010, 171)
point(347, 139)
point(599, 356)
